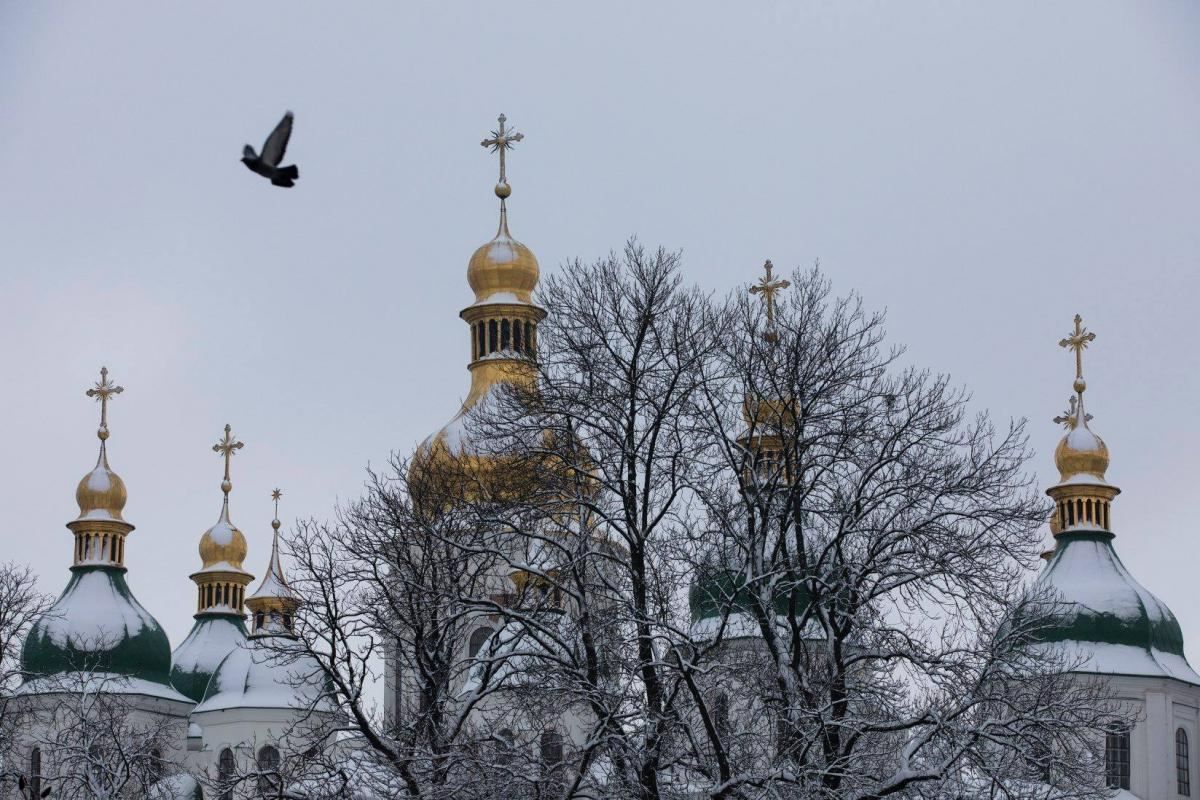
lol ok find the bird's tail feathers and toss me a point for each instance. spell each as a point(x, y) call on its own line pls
point(290, 172)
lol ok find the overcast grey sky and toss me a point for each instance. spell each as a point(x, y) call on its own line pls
point(982, 173)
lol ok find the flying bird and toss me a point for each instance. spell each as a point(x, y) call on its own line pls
point(273, 149)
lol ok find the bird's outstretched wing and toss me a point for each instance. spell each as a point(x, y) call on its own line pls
point(276, 144)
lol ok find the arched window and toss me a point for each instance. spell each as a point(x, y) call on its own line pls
point(1116, 757)
point(552, 760)
point(493, 335)
point(518, 343)
point(269, 782)
point(259, 619)
point(225, 768)
point(35, 773)
point(481, 340)
point(478, 637)
point(504, 334)
point(1183, 764)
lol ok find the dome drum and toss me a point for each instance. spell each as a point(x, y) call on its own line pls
point(500, 329)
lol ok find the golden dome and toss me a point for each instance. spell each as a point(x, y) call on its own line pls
point(1081, 452)
point(101, 493)
point(503, 270)
point(223, 545)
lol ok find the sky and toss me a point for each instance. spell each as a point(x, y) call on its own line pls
point(982, 172)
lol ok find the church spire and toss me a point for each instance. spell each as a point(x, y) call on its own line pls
point(274, 602)
point(221, 581)
point(1083, 496)
point(503, 323)
point(100, 530)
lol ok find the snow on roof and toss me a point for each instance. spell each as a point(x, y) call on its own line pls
point(1089, 574)
point(210, 640)
point(741, 625)
point(274, 583)
point(94, 615)
point(257, 675)
point(1102, 658)
point(107, 683)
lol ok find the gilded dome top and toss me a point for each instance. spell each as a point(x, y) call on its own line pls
point(101, 493)
point(223, 546)
point(503, 270)
point(1081, 452)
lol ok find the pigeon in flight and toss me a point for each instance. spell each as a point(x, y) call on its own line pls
point(267, 164)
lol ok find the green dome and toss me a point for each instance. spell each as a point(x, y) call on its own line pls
point(213, 637)
point(1106, 615)
point(98, 626)
point(724, 591)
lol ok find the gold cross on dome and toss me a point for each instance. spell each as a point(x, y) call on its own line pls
point(1078, 341)
point(501, 141)
point(768, 287)
point(103, 390)
point(227, 447)
point(1071, 418)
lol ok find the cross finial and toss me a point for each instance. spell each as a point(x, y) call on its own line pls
point(103, 390)
point(1078, 341)
point(1071, 417)
point(227, 447)
point(501, 141)
point(768, 287)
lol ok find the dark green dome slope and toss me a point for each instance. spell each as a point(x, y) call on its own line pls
point(1110, 618)
point(98, 626)
point(213, 637)
point(724, 591)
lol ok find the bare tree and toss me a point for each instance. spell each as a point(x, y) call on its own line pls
point(406, 573)
point(20, 606)
point(879, 537)
point(100, 739)
point(857, 540)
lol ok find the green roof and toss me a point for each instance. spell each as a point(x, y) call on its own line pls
point(724, 591)
point(97, 625)
point(213, 636)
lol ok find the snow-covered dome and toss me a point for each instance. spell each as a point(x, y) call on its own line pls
point(259, 675)
point(193, 663)
point(503, 274)
point(97, 624)
point(1100, 618)
point(1104, 618)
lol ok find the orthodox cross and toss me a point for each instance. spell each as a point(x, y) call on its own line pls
point(227, 447)
point(103, 390)
point(1071, 418)
point(768, 287)
point(1078, 341)
point(275, 495)
point(502, 140)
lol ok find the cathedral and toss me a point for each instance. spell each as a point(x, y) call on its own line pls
point(228, 708)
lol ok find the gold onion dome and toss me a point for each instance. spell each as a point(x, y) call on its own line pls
point(101, 493)
point(503, 270)
point(223, 547)
point(503, 320)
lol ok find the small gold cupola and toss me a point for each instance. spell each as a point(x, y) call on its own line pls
point(766, 418)
point(1083, 496)
point(221, 580)
point(274, 603)
point(100, 530)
